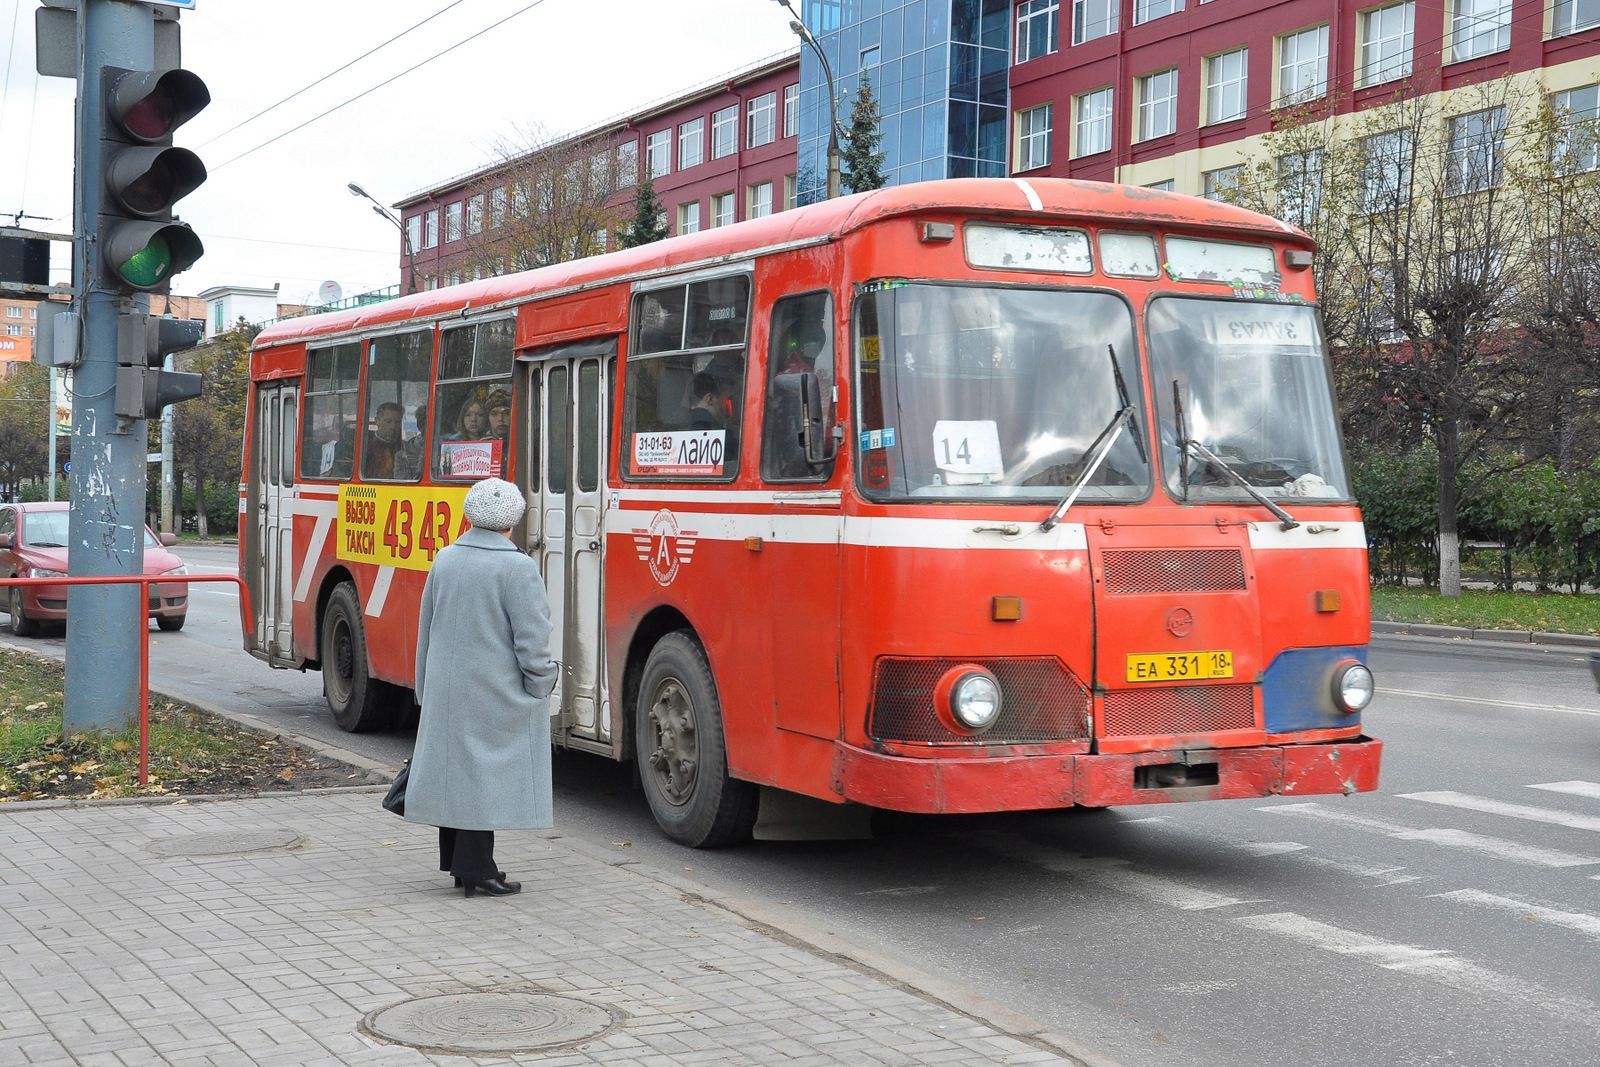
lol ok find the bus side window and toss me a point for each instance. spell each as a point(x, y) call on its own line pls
point(801, 342)
point(472, 401)
point(328, 434)
point(396, 406)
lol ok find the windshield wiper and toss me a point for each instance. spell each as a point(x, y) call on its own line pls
point(46, 544)
point(1101, 448)
point(1185, 443)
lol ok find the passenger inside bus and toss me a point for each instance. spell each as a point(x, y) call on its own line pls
point(500, 415)
point(408, 464)
point(382, 447)
point(708, 412)
point(472, 422)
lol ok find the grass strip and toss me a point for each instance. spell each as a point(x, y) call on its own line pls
point(1486, 609)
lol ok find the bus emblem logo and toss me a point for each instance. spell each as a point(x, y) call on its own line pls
point(664, 547)
point(1180, 622)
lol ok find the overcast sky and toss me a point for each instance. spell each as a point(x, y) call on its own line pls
point(282, 214)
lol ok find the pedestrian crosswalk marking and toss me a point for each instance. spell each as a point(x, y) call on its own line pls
point(1112, 873)
point(1457, 699)
point(1515, 811)
point(1572, 920)
point(1577, 789)
point(1516, 852)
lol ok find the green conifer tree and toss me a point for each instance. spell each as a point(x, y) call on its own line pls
point(863, 163)
point(649, 219)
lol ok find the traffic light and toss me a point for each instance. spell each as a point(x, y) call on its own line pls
point(143, 344)
point(141, 244)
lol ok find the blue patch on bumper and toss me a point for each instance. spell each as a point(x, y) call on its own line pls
point(1297, 690)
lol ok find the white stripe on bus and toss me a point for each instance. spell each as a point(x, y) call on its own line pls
point(1028, 191)
point(308, 562)
point(871, 531)
point(1309, 534)
point(380, 591)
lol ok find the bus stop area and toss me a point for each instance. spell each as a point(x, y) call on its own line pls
point(313, 928)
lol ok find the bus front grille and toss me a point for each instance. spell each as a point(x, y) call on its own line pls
point(1170, 570)
point(1040, 701)
point(1187, 709)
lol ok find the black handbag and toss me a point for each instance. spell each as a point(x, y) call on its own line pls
point(395, 799)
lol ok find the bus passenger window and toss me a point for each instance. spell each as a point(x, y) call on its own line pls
point(328, 433)
point(801, 342)
point(683, 407)
point(472, 401)
point(396, 406)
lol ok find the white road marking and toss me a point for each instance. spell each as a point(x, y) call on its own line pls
point(1456, 698)
point(1585, 924)
point(1577, 789)
point(1272, 848)
point(1436, 964)
point(1516, 852)
point(1113, 874)
point(1515, 811)
point(211, 587)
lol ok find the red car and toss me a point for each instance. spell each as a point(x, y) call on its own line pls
point(33, 544)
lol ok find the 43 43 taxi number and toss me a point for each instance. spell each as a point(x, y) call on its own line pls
point(1179, 666)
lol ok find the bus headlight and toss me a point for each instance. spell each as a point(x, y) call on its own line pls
point(1352, 686)
point(967, 699)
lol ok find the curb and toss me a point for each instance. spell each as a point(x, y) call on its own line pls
point(1509, 637)
point(166, 800)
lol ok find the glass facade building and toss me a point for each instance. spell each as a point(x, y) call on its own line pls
point(940, 70)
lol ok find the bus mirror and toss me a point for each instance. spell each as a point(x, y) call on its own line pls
point(819, 444)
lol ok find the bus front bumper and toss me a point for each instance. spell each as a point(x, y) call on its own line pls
point(1034, 782)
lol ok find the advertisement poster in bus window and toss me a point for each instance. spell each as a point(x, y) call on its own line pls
point(470, 459)
point(681, 453)
point(398, 526)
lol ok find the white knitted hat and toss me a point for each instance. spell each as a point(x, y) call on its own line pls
point(494, 504)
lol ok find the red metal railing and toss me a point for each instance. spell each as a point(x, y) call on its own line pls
point(144, 581)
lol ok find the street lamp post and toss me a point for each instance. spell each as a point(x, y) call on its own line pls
point(405, 235)
point(805, 35)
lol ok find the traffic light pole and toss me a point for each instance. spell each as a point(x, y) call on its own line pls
point(106, 528)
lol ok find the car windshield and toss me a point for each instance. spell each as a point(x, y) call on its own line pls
point(45, 529)
point(1252, 381)
point(993, 393)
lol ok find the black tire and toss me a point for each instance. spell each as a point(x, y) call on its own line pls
point(171, 623)
point(682, 753)
point(355, 698)
point(21, 624)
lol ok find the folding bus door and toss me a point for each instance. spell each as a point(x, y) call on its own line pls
point(277, 424)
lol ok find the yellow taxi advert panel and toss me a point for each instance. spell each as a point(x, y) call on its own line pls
point(398, 525)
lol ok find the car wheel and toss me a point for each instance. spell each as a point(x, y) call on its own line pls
point(354, 697)
point(171, 623)
point(682, 752)
point(21, 625)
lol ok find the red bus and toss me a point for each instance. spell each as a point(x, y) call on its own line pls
point(972, 495)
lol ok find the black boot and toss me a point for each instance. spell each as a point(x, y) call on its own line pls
point(494, 887)
point(498, 874)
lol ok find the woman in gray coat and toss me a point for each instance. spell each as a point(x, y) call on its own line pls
point(484, 673)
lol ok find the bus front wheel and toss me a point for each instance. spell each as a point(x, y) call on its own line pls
point(354, 697)
point(682, 751)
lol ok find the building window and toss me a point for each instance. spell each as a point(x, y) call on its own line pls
point(452, 222)
point(1300, 186)
point(1574, 15)
point(1161, 187)
point(1385, 170)
point(497, 207)
point(691, 144)
point(627, 164)
point(870, 57)
point(791, 191)
point(475, 215)
point(1145, 10)
point(1038, 29)
point(1303, 65)
point(13, 311)
point(413, 233)
point(1033, 137)
point(33, 311)
point(1578, 147)
point(689, 217)
point(1479, 28)
point(13, 329)
point(724, 131)
point(658, 153)
point(1158, 104)
point(1094, 18)
point(758, 201)
point(1227, 85)
point(1385, 44)
point(791, 110)
point(1476, 144)
point(1094, 122)
point(722, 209)
point(763, 122)
point(1221, 182)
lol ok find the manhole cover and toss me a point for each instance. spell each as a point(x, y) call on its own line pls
point(226, 843)
point(489, 1022)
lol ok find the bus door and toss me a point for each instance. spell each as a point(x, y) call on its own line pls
point(277, 424)
point(566, 430)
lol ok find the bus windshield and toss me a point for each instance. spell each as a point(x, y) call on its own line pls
point(994, 393)
point(1252, 389)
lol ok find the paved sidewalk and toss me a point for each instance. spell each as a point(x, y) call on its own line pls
point(122, 943)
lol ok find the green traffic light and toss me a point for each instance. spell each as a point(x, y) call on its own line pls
point(148, 265)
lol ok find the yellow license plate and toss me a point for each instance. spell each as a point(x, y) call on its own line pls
point(1179, 666)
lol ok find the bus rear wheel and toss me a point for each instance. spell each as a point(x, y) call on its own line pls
point(354, 697)
point(682, 751)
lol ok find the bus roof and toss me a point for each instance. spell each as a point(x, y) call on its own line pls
point(1090, 202)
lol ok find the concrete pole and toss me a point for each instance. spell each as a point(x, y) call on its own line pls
point(105, 533)
point(167, 516)
point(50, 423)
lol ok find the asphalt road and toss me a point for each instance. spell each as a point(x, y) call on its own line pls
point(1452, 918)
